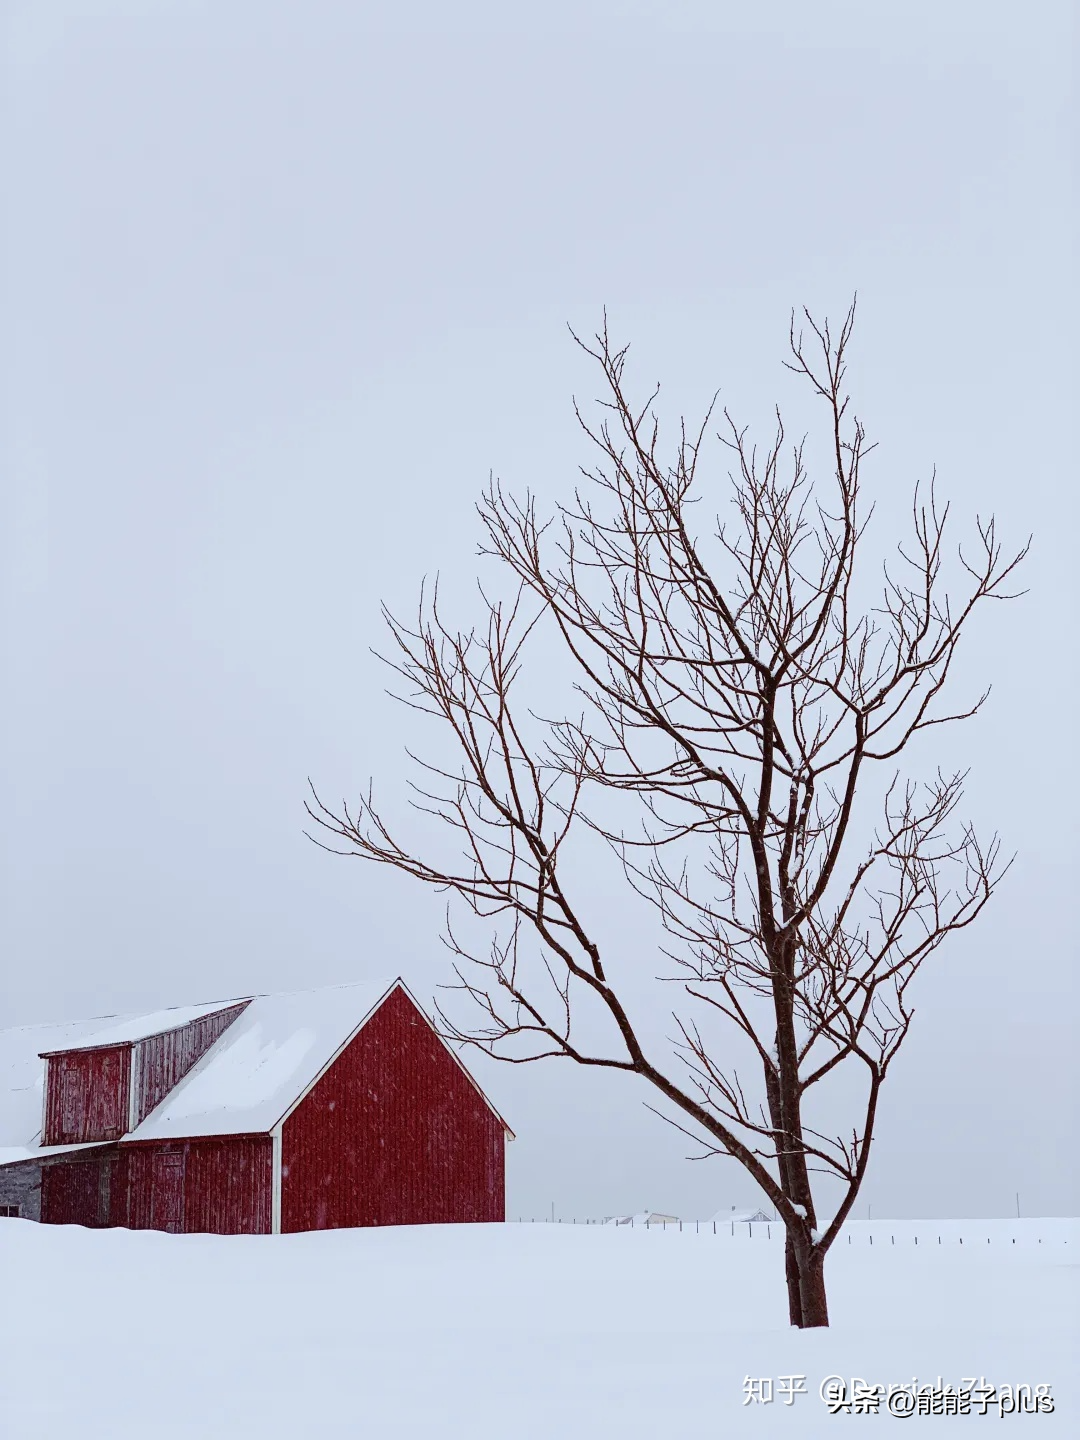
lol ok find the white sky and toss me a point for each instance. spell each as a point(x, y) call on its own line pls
point(283, 283)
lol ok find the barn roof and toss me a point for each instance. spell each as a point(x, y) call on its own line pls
point(265, 1061)
point(125, 1030)
point(252, 1076)
point(15, 1154)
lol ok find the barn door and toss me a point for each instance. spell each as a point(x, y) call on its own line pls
point(167, 1192)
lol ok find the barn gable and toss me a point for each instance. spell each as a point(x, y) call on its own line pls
point(393, 1132)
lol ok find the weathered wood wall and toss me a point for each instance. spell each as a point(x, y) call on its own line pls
point(79, 1189)
point(394, 1133)
point(21, 1185)
point(160, 1061)
point(219, 1186)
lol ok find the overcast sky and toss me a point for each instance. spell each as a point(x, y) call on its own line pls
point(282, 283)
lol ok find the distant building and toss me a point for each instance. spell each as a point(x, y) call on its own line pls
point(643, 1217)
point(309, 1111)
point(742, 1217)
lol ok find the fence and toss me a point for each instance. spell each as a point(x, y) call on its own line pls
point(971, 1234)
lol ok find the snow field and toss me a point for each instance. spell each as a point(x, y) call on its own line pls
point(497, 1332)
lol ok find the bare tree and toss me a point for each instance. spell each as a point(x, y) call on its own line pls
point(737, 691)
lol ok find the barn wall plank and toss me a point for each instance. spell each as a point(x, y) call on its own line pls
point(393, 1134)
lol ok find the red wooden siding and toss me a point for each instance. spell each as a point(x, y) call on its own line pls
point(78, 1191)
point(160, 1061)
point(86, 1095)
point(220, 1186)
point(394, 1133)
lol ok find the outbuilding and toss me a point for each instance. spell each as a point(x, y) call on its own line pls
point(268, 1114)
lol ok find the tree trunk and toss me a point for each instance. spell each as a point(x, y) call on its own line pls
point(783, 1087)
point(813, 1303)
point(794, 1291)
point(791, 1260)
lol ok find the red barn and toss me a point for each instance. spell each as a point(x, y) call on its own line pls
point(308, 1111)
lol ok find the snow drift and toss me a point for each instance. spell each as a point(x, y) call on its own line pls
point(512, 1332)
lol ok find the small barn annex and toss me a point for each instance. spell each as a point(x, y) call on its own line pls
point(306, 1111)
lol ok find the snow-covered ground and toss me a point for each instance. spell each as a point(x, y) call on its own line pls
point(518, 1331)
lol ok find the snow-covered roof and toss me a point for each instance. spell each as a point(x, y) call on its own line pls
point(742, 1217)
point(263, 1063)
point(256, 1071)
point(14, 1154)
point(130, 1028)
